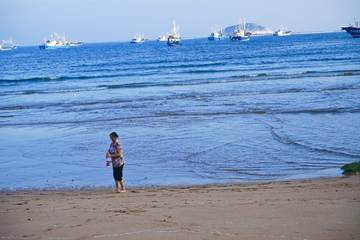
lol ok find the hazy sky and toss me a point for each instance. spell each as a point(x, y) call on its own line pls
point(29, 21)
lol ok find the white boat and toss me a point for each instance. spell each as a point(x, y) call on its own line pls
point(8, 45)
point(75, 44)
point(162, 39)
point(138, 39)
point(282, 32)
point(174, 38)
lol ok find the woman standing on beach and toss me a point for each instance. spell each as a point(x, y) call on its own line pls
point(115, 152)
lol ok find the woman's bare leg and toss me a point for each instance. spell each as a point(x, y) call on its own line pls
point(117, 186)
point(122, 186)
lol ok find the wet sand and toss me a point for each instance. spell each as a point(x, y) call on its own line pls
point(326, 208)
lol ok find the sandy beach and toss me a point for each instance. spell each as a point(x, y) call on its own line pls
point(327, 208)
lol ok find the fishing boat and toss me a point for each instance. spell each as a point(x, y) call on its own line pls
point(8, 45)
point(174, 38)
point(240, 34)
point(162, 39)
point(138, 39)
point(55, 44)
point(76, 44)
point(353, 29)
point(216, 34)
point(282, 32)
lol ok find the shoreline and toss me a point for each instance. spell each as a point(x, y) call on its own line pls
point(322, 208)
point(319, 174)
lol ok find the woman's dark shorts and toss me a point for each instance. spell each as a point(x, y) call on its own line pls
point(118, 173)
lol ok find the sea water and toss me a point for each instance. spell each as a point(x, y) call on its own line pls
point(272, 108)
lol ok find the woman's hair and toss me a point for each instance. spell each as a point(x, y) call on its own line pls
point(114, 134)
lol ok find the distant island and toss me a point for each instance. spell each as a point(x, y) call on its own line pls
point(255, 28)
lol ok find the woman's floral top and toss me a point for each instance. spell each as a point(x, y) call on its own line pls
point(114, 149)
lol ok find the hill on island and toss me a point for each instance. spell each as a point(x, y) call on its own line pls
point(255, 28)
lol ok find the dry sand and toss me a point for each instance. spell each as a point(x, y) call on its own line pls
point(302, 209)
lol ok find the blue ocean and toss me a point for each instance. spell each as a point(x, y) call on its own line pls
point(207, 112)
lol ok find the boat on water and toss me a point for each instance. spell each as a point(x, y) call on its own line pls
point(138, 39)
point(8, 45)
point(282, 32)
point(174, 38)
point(76, 44)
point(217, 34)
point(162, 39)
point(55, 44)
point(353, 29)
point(240, 33)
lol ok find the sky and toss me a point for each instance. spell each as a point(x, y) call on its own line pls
point(28, 22)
